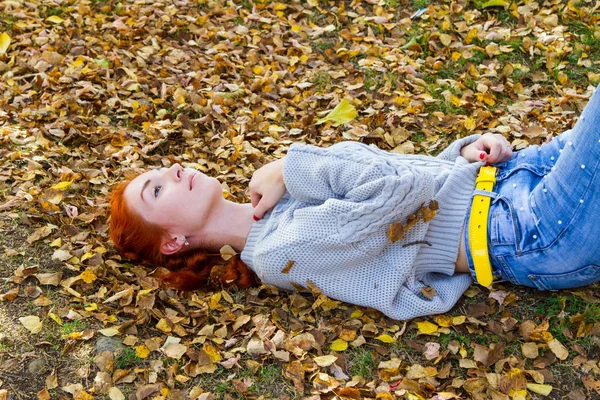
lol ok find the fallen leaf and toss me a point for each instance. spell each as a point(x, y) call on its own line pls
point(427, 327)
point(32, 323)
point(385, 338)
point(342, 113)
point(4, 42)
point(544, 390)
point(339, 345)
point(559, 350)
point(325, 361)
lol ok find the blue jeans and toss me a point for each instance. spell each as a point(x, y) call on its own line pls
point(544, 223)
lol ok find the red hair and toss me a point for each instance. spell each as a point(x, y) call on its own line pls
point(137, 239)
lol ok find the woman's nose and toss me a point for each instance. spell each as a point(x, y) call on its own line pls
point(175, 171)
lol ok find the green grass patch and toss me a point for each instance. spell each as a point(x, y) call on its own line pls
point(323, 44)
point(126, 358)
point(418, 4)
point(321, 80)
point(75, 326)
point(361, 362)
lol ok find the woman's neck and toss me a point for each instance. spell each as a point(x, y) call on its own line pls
point(229, 223)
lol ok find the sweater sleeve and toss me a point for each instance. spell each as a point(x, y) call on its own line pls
point(372, 188)
point(452, 152)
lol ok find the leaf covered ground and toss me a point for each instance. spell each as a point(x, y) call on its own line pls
point(93, 91)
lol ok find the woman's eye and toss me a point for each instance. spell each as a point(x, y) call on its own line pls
point(157, 190)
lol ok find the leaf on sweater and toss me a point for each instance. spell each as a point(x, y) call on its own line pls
point(288, 266)
point(430, 211)
point(429, 292)
point(395, 232)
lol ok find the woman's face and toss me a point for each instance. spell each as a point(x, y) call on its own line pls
point(177, 199)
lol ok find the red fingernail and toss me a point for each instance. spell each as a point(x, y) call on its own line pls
point(255, 218)
point(481, 156)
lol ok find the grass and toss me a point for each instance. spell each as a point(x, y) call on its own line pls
point(321, 80)
point(126, 358)
point(418, 4)
point(361, 363)
point(70, 327)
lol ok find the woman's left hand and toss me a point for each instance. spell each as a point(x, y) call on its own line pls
point(489, 148)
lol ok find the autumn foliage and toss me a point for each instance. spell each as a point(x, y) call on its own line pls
point(95, 91)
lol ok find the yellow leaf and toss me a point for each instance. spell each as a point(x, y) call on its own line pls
point(470, 123)
point(112, 331)
point(339, 345)
point(91, 307)
point(356, 314)
point(32, 323)
point(164, 326)
point(83, 395)
point(544, 390)
point(342, 113)
point(87, 255)
point(385, 338)
point(4, 42)
point(55, 318)
point(62, 185)
point(495, 3)
point(213, 304)
point(78, 62)
point(471, 35)
point(459, 320)
point(296, 28)
point(562, 78)
point(212, 353)
point(427, 327)
point(444, 321)
point(456, 55)
point(55, 19)
point(142, 351)
point(258, 70)
point(88, 276)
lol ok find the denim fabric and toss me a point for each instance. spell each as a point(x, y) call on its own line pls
point(544, 222)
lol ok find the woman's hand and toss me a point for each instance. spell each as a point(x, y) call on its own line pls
point(266, 187)
point(489, 148)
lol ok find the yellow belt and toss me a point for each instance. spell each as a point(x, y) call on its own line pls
point(478, 226)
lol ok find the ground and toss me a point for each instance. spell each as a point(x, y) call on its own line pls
point(94, 91)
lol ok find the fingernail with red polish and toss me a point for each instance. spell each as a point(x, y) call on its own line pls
point(255, 218)
point(481, 156)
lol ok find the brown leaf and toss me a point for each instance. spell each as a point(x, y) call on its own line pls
point(429, 292)
point(395, 232)
point(287, 267)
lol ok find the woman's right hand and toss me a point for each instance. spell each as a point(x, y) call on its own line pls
point(266, 187)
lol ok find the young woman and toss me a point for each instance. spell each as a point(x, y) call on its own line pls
point(378, 229)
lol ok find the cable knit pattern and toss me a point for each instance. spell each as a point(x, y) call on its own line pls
point(333, 220)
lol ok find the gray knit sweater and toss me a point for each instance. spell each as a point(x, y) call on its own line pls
point(332, 223)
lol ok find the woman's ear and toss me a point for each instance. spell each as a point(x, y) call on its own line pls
point(171, 245)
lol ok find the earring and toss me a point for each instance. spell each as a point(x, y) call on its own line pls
point(186, 243)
